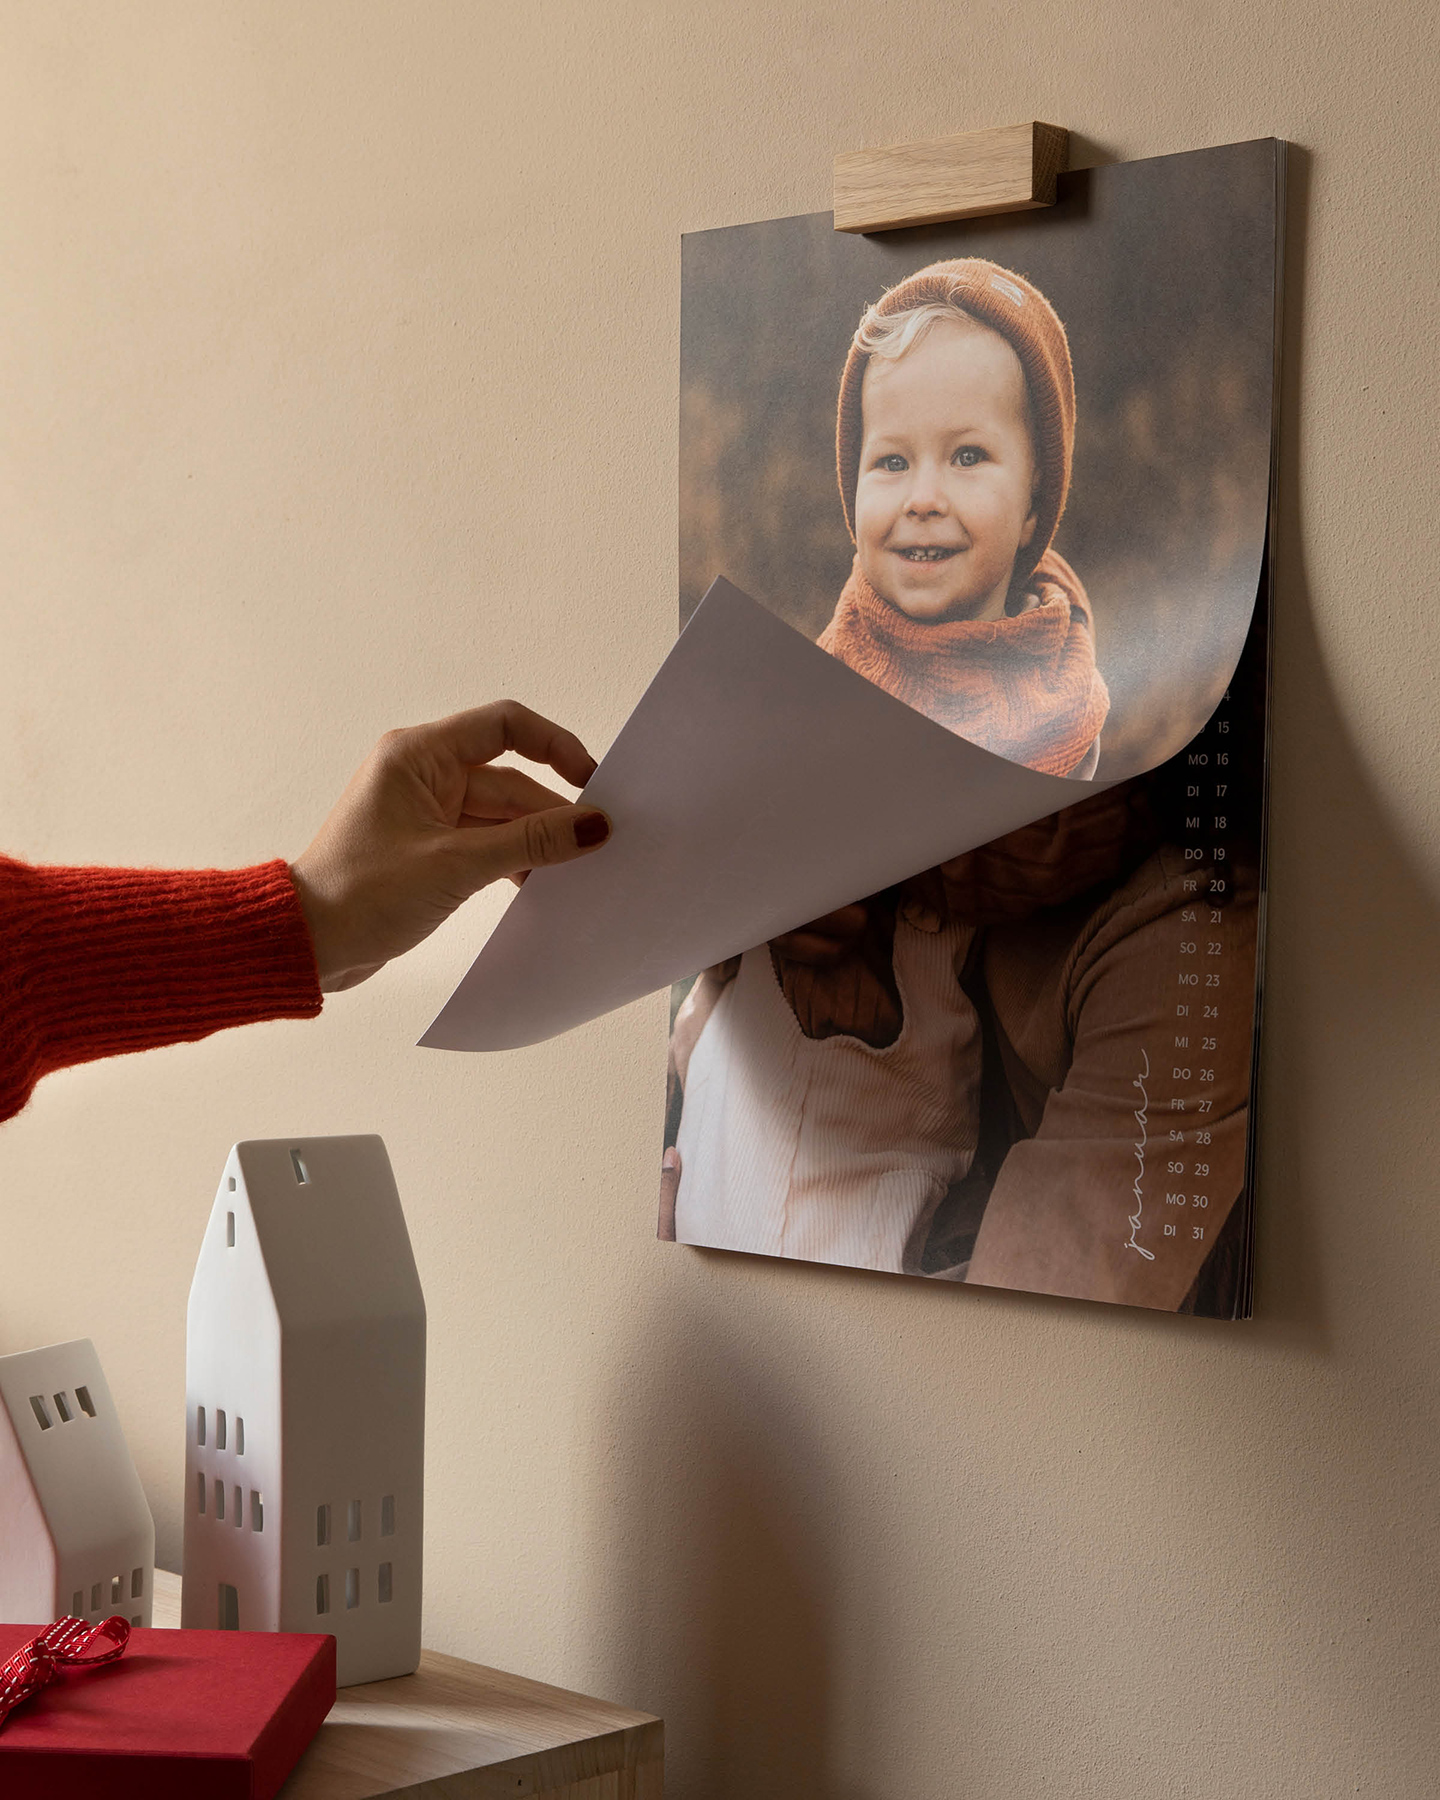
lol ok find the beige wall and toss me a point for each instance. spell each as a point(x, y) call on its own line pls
point(339, 389)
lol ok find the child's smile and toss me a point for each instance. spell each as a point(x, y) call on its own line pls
point(945, 497)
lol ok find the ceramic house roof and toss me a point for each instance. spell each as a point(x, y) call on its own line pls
point(71, 1461)
point(328, 1226)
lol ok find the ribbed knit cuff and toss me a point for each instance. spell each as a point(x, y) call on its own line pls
point(98, 962)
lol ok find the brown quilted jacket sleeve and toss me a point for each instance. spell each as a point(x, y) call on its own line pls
point(1139, 1152)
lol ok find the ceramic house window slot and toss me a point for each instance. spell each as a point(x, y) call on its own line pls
point(311, 1323)
point(386, 1584)
point(200, 1425)
point(137, 1583)
point(229, 1608)
point(219, 1429)
point(200, 1493)
point(72, 1511)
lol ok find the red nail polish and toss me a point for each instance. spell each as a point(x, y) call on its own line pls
point(591, 829)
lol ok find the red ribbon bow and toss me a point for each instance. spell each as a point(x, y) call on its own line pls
point(67, 1644)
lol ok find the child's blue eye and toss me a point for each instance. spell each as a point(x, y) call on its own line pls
point(967, 456)
point(893, 465)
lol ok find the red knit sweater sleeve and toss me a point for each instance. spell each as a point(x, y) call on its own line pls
point(97, 962)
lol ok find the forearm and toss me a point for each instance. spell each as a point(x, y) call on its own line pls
point(1140, 1154)
point(1093, 1218)
point(100, 962)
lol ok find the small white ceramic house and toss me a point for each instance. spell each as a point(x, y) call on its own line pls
point(305, 1405)
point(76, 1536)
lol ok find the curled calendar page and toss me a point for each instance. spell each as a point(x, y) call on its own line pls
point(960, 819)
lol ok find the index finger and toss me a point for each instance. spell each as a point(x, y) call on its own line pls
point(481, 734)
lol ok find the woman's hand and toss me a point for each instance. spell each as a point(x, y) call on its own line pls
point(425, 823)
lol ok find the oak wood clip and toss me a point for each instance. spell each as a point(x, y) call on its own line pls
point(1009, 168)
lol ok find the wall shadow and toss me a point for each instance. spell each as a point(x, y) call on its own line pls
point(1088, 153)
point(1353, 924)
point(722, 1569)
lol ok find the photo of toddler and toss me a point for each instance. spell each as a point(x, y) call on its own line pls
point(959, 1078)
point(954, 445)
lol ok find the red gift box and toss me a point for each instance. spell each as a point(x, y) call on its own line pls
point(223, 1714)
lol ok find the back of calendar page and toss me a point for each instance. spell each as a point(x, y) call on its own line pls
point(1018, 474)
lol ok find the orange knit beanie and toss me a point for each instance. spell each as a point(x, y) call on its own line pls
point(1009, 304)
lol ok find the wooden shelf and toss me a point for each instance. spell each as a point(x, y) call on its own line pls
point(457, 1731)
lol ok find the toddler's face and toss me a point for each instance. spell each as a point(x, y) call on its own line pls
point(945, 497)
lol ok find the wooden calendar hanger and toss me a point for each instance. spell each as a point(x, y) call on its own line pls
point(1010, 168)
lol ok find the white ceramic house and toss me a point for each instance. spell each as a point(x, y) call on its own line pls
point(305, 1405)
point(76, 1536)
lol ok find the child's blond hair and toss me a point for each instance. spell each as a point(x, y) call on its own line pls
point(890, 335)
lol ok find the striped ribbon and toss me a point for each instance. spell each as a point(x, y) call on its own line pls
point(67, 1644)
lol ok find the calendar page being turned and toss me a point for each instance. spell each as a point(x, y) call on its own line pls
point(1017, 475)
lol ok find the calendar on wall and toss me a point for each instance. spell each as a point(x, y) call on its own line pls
point(1017, 473)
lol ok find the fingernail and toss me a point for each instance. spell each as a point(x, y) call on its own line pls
point(591, 829)
point(671, 1159)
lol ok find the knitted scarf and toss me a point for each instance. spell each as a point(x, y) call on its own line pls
point(1025, 687)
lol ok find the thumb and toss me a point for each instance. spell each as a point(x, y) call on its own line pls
point(556, 834)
